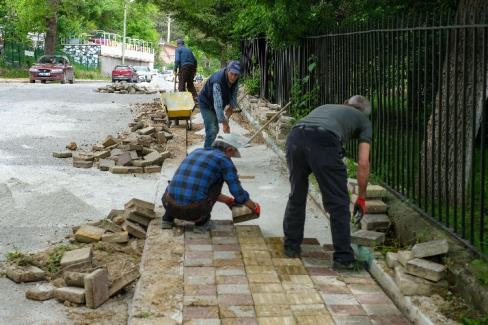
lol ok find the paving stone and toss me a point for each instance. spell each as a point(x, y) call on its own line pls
point(324, 319)
point(357, 279)
point(223, 289)
point(426, 269)
point(199, 248)
point(273, 310)
point(119, 220)
point(235, 299)
point(230, 270)
point(71, 294)
point(431, 248)
point(257, 261)
point(239, 321)
point(255, 254)
point(201, 271)
point(256, 247)
point(375, 222)
point(198, 254)
point(276, 320)
point(109, 141)
point(340, 299)
point(224, 240)
point(96, 288)
point(77, 257)
point(135, 230)
point(107, 225)
point(352, 310)
point(263, 278)
point(231, 279)
point(228, 262)
point(392, 260)
point(105, 164)
point(147, 130)
point(274, 298)
point(62, 154)
point(358, 289)
point(414, 286)
point(267, 269)
point(390, 319)
point(226, 311)
point(376, 206)
point(25, 273)
point(82, 163)
point(200, 312)
point(375, 192)
point(123, 159)
point(226, 255)
point(308, 310)
point(287, 261)
point(381, 309)
point(326, 280)
point(137, 218)
point(204, 300)
point(140, 203)
point(266, 288)
point(202, 241)
point(404, 257)
point(367, 238)
point(118, 237)
point(40, 292)
point(101, 154)
point(74, 279)
point(321, 271)
point(200, 289)
point(248, 230)
point(152, 169)
point(316, 262)
point(324, 288)
point(351, 320)
point(291, 269)
point(373, 298)
point(223, 233)
point(227, 247)
point(199, 279)
point(252, 240)
point(303, 298)
point(126, 170)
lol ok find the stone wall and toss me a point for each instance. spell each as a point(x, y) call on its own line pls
point(86, 55)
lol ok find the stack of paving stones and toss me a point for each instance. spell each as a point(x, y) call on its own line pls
point(376, 222)
point(233, 275)
point(123, 87)
point(140, 149)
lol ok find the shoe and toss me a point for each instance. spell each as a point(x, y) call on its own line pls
point(207, 226)
point(292, 252)
point(354, 265)
point(167, 224)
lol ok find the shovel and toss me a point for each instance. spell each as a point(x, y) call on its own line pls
point(267, 123)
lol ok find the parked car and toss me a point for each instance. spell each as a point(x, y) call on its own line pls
point(124, 72)
point(144, 73)
point(52, 68)
point(154, 72)
point(168, 75)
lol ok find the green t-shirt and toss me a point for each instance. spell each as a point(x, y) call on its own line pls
point(345, 121)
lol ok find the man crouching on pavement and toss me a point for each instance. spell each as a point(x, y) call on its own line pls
point(198, 181)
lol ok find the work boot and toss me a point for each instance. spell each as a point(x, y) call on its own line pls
point(291, 252)
point(354, 265)
point(207, 226)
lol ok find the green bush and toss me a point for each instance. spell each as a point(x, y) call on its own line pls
point(20, 258)
point(304, 91)
point(252, 82)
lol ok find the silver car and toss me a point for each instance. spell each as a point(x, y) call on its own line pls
point(143, 72)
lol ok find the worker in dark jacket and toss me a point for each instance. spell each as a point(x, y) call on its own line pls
point(314, 145)
point(186, 67)
point(197, 184)
point(219, 91)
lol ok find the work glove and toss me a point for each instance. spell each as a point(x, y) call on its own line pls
point(359, 209)
point(230, 202)
point(257, 209)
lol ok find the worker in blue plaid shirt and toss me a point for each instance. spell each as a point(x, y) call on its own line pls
point(198, 181)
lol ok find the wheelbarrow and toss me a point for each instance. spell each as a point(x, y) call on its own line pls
point(178, 106)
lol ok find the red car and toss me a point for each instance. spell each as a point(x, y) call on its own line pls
point(52, 68)
point(124, 72)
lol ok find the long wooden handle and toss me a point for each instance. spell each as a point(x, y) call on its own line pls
point(268, 122)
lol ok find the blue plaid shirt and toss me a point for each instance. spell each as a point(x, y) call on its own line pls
point(199, 171)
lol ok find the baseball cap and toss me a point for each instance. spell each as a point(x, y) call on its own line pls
point(179, 41)
point(232, 140)
point(234, 67)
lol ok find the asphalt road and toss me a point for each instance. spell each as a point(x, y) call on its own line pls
point(41, 197)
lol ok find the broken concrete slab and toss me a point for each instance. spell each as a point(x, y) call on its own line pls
point(72, 146)
point(404, 257)
point(168, 135)
point(106, 164)
point(375, 192)
point(25, 273)
point(367, 238)
point(71, 294)
point(376, 222)
point(133, 154)
point(392, 260)
point(152, 169)
point(136, 126)
point(119, 220)
point(41, 292)
point(79, 256)
point(126, 170)
point(62, 154)
point(118, 237)
point(82, 163)
point(376, 206)
point(431, 248)
point(109, 141)
point(89, 234)
point(134, 229)
point(414, 286)
point(123, 281)
point(142, 211)
point(82, 155)
point(426, 269)
point(97, 147)
point(74, 279)
point(137, 218)
point(153, 158)
point(107, 225)
point(123, 159)
point(102, 154)
point(146, 131)
point(141, 203)
point(96, 288)
point(114, 213)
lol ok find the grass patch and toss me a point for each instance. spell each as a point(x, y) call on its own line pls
point(90, 75)
point(54, 257)
point(14, 72)
point(480, 269)
point(252, 82)
point(20, 258)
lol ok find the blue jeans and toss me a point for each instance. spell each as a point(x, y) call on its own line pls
point(210, 121)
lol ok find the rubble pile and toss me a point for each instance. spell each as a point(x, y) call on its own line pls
point(84, 276)
point(140, 149)
point(123, 87)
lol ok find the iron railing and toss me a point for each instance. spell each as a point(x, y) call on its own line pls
point(427, 81)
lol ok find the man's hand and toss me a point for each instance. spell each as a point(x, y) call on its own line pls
point(230, 201)
point(228, 111)
point(226, 127)
point(359, 209)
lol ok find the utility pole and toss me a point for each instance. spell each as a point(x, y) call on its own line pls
point(169, 29)
point(125, 31)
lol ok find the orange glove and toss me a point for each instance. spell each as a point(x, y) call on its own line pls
point(257, 209)
point(359, 209)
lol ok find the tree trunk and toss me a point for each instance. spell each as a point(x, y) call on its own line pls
point(457, 110)
point(52, 27)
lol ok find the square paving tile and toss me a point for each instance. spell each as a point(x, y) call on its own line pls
point(231, 279)
point(226, 247)
point(252, 240)
point(353, 310)
point(200, 312)
point(276, 320)
point(381, 309)
point(203, 322)
point(226, 255)
point(198, 248)
point(270, 299)
point(324, 288)
point(200, 290)
point(235, 299)
point(222, 233)
point(256, 247)
point(268, 269)
point(263, 278)
point(209, 300)
point(316, 319)
point(316, 262)
point(255, 254)
point(352, 320)
point(201, 271)
point(266, 288)
point(273, 310)
point(364, 288)
point(228, 262)
point(257, 261)
point(389, 320)
point(339, 299)
point(224, 240)
point(309, 310)
point(373, 298)
point(233, 289)
point(226, 311)
point(291, 269)
point(198, 241)
point(240, 321)
point(303, 298)
point(327, 280)
point(230, 270)
point(321, 271)
point(287, 261)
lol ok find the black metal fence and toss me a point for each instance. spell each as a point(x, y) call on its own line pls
point(427, 81)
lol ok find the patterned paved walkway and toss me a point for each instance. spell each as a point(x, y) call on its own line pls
point(234, 275)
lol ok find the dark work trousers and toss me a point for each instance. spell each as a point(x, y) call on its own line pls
point(318, 151)
point(185, 77)
point(198, 212)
